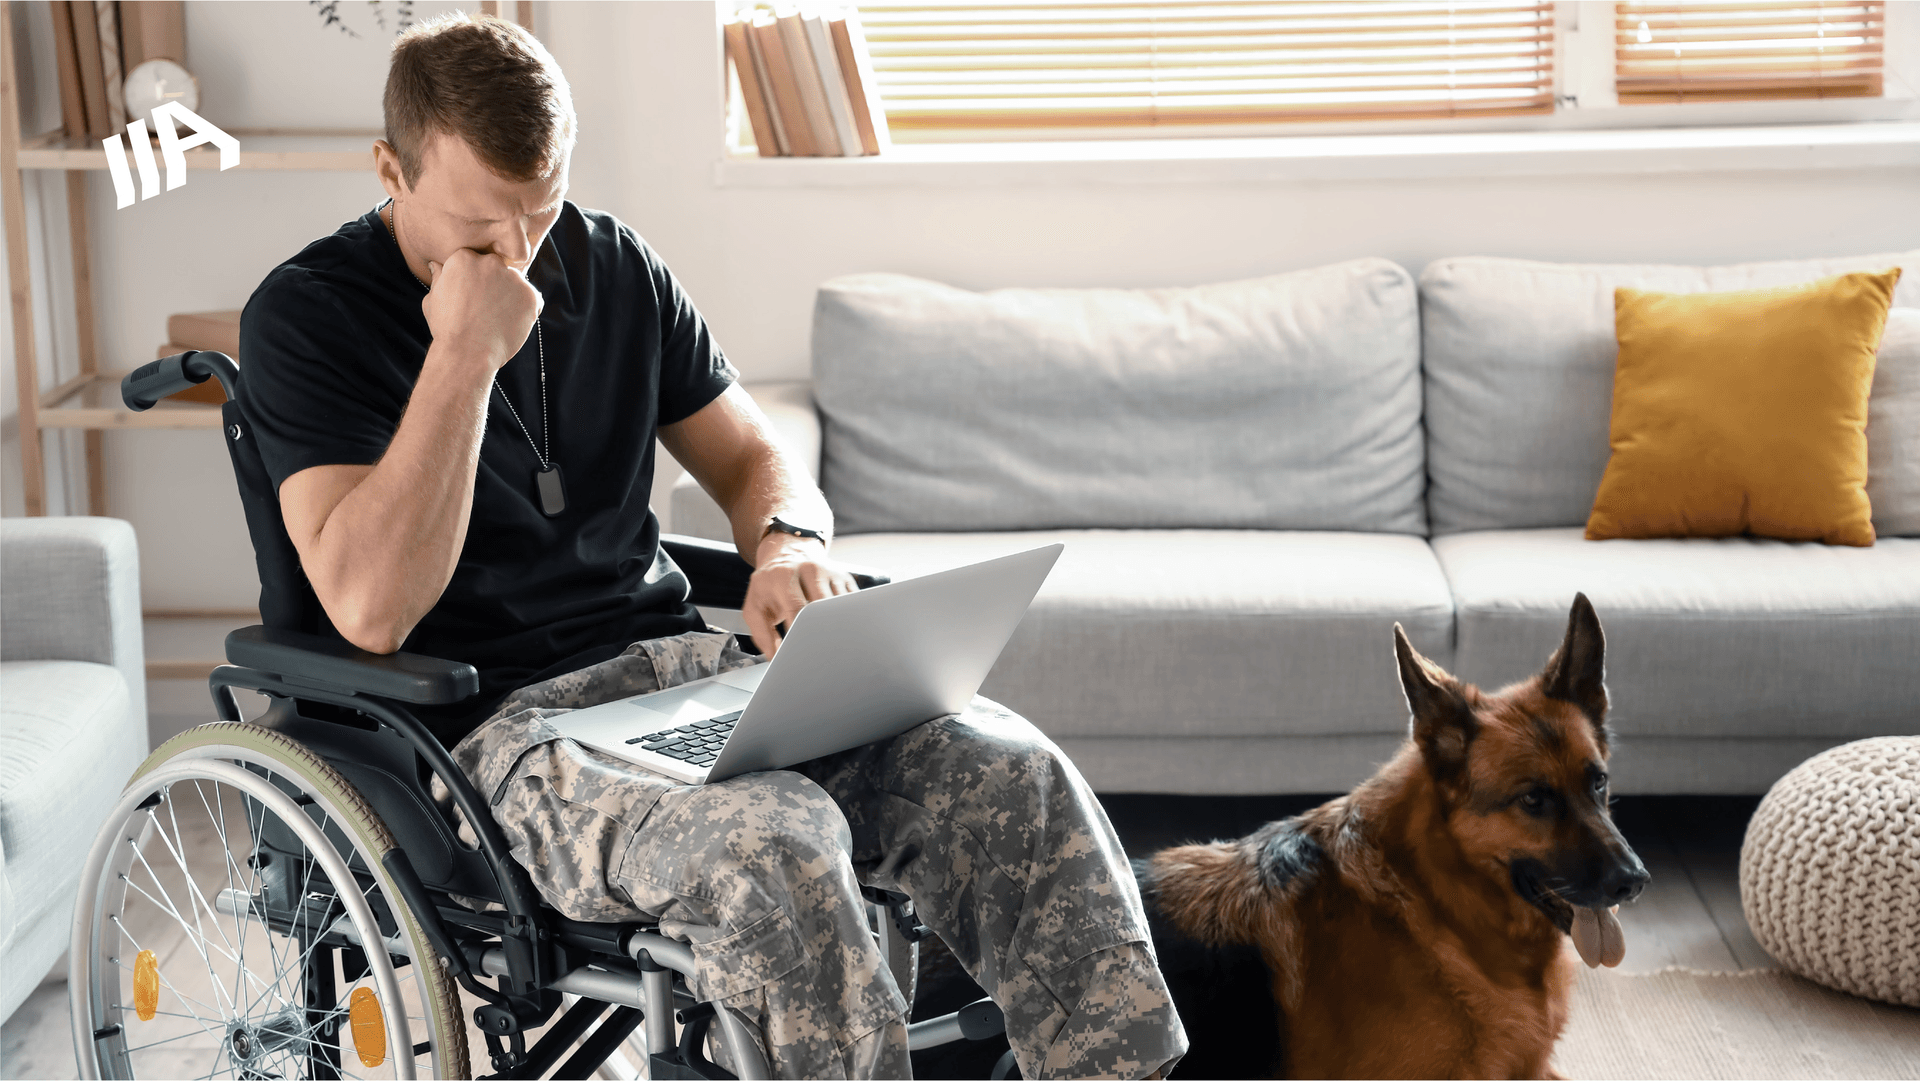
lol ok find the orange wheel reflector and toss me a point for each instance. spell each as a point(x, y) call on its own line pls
point(369, 1027)
point(146, 985)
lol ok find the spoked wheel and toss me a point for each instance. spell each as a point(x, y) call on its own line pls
point(235, 920)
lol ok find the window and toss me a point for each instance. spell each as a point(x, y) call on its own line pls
point(1013, 65)
point(1725, 50)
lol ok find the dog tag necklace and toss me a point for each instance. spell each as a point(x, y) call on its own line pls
point(547, 481)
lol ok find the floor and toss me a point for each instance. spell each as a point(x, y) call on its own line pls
point(1689, 915)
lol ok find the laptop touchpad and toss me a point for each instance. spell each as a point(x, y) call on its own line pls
point(680, 705)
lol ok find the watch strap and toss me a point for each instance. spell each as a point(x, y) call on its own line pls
point(780, 525)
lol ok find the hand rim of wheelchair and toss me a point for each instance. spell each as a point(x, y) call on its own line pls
point(206, 754)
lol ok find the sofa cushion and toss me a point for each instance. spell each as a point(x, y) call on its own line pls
point(1743, 412)
point(69, 739)
point(1518, 360)
point(1201, 632)
point(1729, 636)
point(1287, 402)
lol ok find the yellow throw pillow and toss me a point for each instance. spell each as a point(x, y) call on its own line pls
point(1743, 412)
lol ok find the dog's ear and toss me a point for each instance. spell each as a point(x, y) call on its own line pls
point(1443, 725)
point(1577, 670)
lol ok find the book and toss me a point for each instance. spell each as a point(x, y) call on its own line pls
point(786, 90)
point(131, 39)
point(766, 89)
point(158, 32)
point(839, 107)
point(108, 13)
point(751, 93)
point(73, 107)
point(93, 82)
point(151, 30)
point(863, 90)
point(806, 77)
point(218, 331)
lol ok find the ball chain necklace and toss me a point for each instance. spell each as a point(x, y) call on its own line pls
point(546, 479)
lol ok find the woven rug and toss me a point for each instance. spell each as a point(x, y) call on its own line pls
point(1681, 1023)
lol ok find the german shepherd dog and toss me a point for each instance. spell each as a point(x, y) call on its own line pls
point(1418, 926)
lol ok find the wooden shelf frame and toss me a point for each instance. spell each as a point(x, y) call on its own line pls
point(99, 408)
point(286, 150)
point(322, 150)
point(189, 668)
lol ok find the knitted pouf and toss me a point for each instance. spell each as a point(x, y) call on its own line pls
point(1830, 871)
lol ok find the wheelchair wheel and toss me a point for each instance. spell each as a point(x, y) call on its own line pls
point(235, 920)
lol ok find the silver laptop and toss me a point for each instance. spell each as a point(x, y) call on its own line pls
point(852, 669)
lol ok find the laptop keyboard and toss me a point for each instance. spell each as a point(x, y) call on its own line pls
point(696, 744)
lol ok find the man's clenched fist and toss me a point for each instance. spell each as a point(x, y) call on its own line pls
point(478, 304)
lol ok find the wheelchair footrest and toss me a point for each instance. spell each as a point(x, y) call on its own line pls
point(689, 1059)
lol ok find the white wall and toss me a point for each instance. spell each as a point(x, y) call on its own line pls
point(646, 82)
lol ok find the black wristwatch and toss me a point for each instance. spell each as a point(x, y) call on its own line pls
point(780, 526)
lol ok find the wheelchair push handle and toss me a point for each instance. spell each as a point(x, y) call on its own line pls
point(149, 383)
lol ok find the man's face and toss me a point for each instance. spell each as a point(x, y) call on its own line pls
point(457, 202)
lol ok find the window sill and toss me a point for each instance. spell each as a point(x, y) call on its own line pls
point(1346, 157)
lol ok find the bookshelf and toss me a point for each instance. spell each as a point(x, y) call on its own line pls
point(89, 402)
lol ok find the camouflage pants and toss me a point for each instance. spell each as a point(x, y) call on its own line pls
point(978, 817)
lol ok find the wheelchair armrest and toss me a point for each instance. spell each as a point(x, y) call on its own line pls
point(718, 576)
point(311, 659)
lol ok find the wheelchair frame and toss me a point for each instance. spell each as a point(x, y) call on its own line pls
point(386, 753)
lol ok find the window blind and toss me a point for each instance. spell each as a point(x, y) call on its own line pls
point(1080, 63)
point(1725, 50)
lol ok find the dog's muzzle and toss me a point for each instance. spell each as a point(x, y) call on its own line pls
point(1619, 881)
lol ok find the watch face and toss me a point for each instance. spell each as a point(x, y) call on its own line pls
point(156, 82)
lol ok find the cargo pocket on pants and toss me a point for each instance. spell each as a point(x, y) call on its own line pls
point(758, 954)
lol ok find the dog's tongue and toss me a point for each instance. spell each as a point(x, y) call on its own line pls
point(1597, 935)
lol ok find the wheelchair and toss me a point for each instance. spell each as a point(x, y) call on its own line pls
point(285, 898)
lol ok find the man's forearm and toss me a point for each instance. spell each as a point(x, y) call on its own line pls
point(731, 448)
point(387, 550)
point(774, 484)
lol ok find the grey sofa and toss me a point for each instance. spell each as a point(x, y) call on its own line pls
point(73, 722)
point(1256, 480)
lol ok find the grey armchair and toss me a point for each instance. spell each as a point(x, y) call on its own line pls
point(73, 721)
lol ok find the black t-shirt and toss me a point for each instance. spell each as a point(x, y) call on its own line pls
point(332, 343)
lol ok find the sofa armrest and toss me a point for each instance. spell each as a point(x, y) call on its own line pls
point(70, 591)
point(789, 407)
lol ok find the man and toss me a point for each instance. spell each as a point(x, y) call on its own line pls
point(457, 396)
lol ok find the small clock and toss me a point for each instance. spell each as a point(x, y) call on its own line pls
point(155, 82)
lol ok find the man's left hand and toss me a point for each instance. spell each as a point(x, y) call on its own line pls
point(789, 572)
